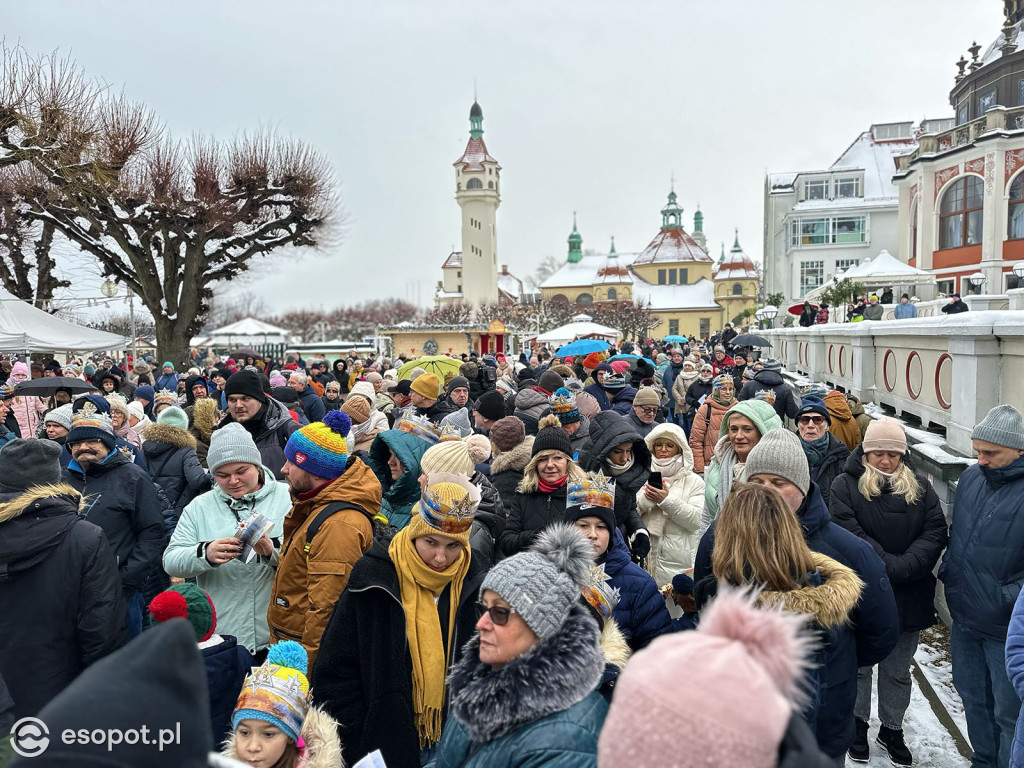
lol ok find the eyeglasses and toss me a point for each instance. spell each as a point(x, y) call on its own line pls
point(647, 410)
point(499, 613)
point(810, 420)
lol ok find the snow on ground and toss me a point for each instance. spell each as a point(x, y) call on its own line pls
point(933, 659)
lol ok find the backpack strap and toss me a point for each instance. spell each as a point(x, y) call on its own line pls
point(707, 416)
point(321, 518)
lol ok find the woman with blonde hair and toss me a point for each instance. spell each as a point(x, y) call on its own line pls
point(759, 542)
point(880, 498)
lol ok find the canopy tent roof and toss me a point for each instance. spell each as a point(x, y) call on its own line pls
point(24, 328)
point(579, 328)
point(882, 271)
point(248, 330)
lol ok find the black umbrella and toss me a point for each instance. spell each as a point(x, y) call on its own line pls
point(750, 340)
point(48, 386)
point(244, 352)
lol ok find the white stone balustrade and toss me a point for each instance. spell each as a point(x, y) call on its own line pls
point(945, 370)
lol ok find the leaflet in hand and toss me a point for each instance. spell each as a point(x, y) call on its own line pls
point(251, 530)
point(372, 760)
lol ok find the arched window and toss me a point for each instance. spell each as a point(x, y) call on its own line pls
point(559, 298)
point(737, 289)
point(1017, 208)
point(584, 300)
point(960, 216)
point(474, 184)
point(490, 185)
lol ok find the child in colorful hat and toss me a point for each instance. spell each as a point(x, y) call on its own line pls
point(400, 625)
point(275, 726)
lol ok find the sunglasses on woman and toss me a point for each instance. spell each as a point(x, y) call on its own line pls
point(499, 613)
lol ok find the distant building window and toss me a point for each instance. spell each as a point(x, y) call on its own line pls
point(816, 190)
point(612, 294)
point(842, 265)
point(671, 277)
point(836, 230)
point(459, 273)
point(812, 275)
point(961, 215)
point(1017, 208)
point(961, 115)
point(682, 277)
point(559, 298)
point(673, 327)
point(1020, 93)
point(490, 185)
point(893, 131)
point(737, 289)
point(848, 186)
point(705, 327)
point(986, 101)
point(474, 184)
point(849, 229)
point(584, 300)
point(661, 277)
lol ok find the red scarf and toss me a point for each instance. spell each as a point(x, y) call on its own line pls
point(551, 487)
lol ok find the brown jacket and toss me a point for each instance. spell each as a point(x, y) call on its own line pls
point(844, 425)
point(704, 433)
point(306, 587)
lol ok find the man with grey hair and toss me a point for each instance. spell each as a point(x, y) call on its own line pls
point(983, 571)
point(311, 402)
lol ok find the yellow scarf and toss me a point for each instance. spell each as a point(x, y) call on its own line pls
point(419, 585)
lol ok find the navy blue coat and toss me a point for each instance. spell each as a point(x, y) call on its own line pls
point(641, 613)
point(668, 378)
point(227, 664)
point(875, 621)
point(312, 404)
point(600, 395)
point(623, 401)
point(983, 569)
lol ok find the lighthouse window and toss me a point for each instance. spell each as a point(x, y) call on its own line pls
point(474, 184)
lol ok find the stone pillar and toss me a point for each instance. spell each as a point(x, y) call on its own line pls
point(975, 388)
point(1016, 298)
point(863, 373)
point(817, 352)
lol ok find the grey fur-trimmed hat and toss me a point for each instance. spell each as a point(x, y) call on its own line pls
point(543, 584)
point(1004, 426)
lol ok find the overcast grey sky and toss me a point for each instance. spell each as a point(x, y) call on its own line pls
point(589, 106)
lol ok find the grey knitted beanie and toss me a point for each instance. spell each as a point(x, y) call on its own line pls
point(61, 415)
point(543, 584)
point(1004, 426)
point(232, 444)
point(779, 453)
point(28, 463)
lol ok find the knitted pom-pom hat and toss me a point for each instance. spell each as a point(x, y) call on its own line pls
point(189, 602)
point(278, 691)
point(320, 448)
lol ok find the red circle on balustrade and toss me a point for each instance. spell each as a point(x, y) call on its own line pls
point(831, 366)
point(890, 381)
point(842, 360)
point(913, 358)
point(943, 401)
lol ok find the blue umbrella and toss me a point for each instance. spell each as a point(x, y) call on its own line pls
point(631, 357)
point(583, 347)
point(675, 338)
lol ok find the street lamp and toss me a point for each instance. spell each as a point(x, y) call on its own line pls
point(977, 281)
point(765, 315)
point(109, 289)
point(1018, 271)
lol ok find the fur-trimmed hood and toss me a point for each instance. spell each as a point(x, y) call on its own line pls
point(514, 460)
point(550, 677)
point(320, 732)
point(204, 416)
point(531, 480)
point(614, 646)
point(829, 603)
point(26, 540)
point(13, 507)
point(165, 433)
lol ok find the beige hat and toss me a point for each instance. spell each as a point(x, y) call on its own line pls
point(365, 389)
point(647, 396)
point(449, 456)
point(885, 434)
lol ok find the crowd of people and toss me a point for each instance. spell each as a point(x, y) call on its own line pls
point(872, 307)
point(549, 561)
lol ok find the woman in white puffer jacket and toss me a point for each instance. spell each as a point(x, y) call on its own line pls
point(671, 514)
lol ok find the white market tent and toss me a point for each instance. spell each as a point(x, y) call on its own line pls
point(581, 327)
point(884, 270)
point(243, 333)
point(26, 329)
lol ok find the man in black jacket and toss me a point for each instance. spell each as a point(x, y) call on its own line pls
point(264, 418)
point(61, 595)
point(955, 306)
point(768, 385)
point(121, 499)
point(826, 455)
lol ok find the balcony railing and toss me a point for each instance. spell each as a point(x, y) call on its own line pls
point(995, 119)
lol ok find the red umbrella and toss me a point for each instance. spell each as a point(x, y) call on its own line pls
point(798, 309)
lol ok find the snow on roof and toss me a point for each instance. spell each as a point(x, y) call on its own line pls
point(671, 245)
point(585, 271)
point(884, 265)
point(736, 265)
point(992, 53)
point(443, 294)
point(699, 295)
point(781, 181)
point(614, 272)
point(877, 160)
point(248, 326)
point(577, 330)
point(475, 156)
point(510, 284)
point(454, 261)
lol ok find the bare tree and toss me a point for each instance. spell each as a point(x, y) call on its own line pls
point(27, 266)
point(548, 266)
point(121, 324)
point(458, 313)
point(168, 219)
point(224, 310)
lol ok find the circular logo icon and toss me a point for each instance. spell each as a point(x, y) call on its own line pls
point(30, 737)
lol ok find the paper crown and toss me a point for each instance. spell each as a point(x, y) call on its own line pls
point(595, 488)
point(722, 378)
point(422, 428)
point(165, 396)
point(88, 415)
point(599, 594)
point(449, 432)
point(449, 503)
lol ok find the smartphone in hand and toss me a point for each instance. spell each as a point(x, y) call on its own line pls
point(655, 481)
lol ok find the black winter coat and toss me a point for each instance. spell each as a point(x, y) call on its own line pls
point(696, 391)
point(532, 512)
point(830, 467)
point(488, 523)
point(607, 430)
point(173, 464)
point(270, 430)
point(123, 501)
point(62, 602)
point(227, 663)
point(363, 671)
point(507, 471)
point(908, 537)
point(786, 401)
point(312, 404)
